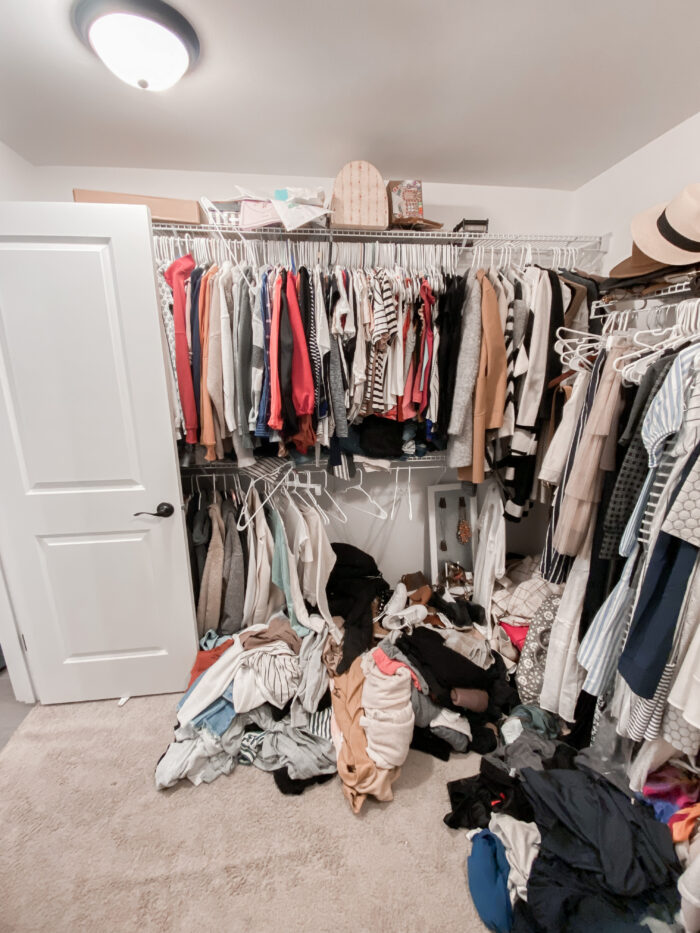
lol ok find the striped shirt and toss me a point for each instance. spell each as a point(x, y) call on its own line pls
point(506, 430)
point(383, 308)
point(600, 649)
point(665, 415)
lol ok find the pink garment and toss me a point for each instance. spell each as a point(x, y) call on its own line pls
point(389, 665)
point(516, 633)
point(673, 784)
point(421, 376)
point(408, 409)
point(428, 302)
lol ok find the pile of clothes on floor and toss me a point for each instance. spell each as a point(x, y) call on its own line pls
point(396, 670)
point(559, 841)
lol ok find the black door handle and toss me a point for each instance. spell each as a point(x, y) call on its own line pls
point(163, 510)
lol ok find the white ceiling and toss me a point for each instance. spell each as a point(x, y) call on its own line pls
point(539, 93)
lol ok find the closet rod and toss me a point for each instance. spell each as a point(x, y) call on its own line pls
point(229, 467)
point(465, 240)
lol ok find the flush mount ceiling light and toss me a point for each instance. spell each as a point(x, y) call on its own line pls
point(145, 43)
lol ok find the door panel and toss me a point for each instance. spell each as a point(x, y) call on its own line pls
point(102, 598)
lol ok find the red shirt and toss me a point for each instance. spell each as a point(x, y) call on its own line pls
point(176, 275)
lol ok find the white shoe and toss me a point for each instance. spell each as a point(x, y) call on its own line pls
point(398, 601)
point(407, 618)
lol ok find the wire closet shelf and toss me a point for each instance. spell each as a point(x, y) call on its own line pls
point(464, 239)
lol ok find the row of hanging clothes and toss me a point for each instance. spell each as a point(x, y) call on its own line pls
point(258, 550)
point(612, 644)
point(385, 350)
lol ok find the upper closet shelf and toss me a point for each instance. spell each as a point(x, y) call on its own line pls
point(463, 239)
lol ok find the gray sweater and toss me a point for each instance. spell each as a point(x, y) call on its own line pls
point(460, 443)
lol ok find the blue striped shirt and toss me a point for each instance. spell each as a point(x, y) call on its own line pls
point(665, 414)
point(600, 649)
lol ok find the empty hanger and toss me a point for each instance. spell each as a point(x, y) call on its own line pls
point(378, 512)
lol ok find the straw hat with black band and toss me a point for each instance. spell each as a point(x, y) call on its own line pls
point(670, 233)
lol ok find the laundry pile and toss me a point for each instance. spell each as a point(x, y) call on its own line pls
point(345, 678)
point(378, 360)
point(559, 842)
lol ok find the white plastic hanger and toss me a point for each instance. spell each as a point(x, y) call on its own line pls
point(339, 513)
point(378, 512)
point(397, 498)
point(246, 522)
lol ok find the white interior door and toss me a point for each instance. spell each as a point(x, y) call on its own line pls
point(102, 598)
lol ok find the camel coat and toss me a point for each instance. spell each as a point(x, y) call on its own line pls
point(490, 391)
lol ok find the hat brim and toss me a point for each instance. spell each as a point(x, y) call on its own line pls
point(636, 264)
point(645, 234)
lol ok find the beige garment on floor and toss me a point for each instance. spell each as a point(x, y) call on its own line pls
point(277, 629)
point(490, 391)
point(360, 775)
point(595, 456)
point(333, 650)
point(209, 605)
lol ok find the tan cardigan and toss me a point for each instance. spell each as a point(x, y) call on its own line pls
point(490, 390)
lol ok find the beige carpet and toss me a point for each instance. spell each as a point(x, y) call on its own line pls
point(87, 844)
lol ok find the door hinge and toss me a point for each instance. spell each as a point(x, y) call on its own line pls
point(24, 641)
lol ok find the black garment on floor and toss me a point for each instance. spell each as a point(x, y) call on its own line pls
point(603, 858)
point(293, 786)
point(483, 740)
point(493, 790)
point(426, 741)
point(352, 586)
point(461, 613)
point(381, 437)
point(442, 667)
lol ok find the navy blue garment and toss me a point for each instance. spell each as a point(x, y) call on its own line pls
point(651, 635)
point(604, 861)
point(660, 602)
point(261, 427)
point(487, 871)
point(195, 282)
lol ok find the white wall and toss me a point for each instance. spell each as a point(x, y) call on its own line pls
point(651, 175)
point(520, 210)
point(15, 176)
